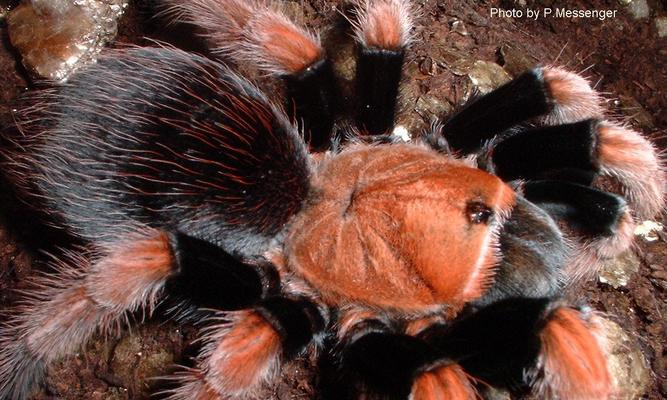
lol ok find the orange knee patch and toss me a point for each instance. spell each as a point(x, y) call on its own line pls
point(384, 24)
point(444, 383)
point(575, 100)
point(242, 355)
point(192, 385)
point(632, 160)
point(287, 47)
point(572, 359)
point(132, 273)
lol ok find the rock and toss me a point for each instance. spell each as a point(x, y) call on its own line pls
point(459, 27)
point(628, 367)
point(427, 66)
point(455, 61)
point(402, 133)
point(617, 272)
point(431, 108)
point(344, 58)
point(638, 9)
point(516, 59)
point(659, 275)
point(486, 76)
point(661, 26)
point(143, 354)
point(75, 377)
point(55, 37)
point(4, 9)
point(648, 230)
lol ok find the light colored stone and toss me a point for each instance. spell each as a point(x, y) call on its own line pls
point(487, 76)
point(648, 230)
point(56, 37)
point(628, 367)
point(516, 59)
point(432, 107)
point(401, 132)
point(459, 27)
point(638, 9)
point(455, 61)
point(618, 271)
point(4, 10)
point(661, 26)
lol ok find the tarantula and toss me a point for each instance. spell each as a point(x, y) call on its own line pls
point(424, 270)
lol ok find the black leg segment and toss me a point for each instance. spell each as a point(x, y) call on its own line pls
point(209, 277)
point(497, 344)
point(296, 320)
point(594, 211)
point(532, 153)
point(517, 101)
point(377, 79)
point(385, 364)
point(313, 95)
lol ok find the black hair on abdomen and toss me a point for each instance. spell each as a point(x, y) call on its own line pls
point(164, 138)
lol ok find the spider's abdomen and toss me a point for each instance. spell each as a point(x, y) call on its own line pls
point(167, 139)
point(399, 226)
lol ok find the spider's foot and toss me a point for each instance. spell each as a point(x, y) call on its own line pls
point(572, 363)
point(632, 161)
point(245, 351)
point(243, 355)
point(447, 382)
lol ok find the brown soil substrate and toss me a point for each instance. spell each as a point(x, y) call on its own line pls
point(624, 56)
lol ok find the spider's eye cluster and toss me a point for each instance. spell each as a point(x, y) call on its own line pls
point(478, 212)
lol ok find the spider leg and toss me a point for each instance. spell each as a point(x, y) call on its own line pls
point(382, 32)
point(532, 153)
point(561, 163)
point(579, 147)
point(243, 350)
point(550, 95)
point(596, 212)
point(527, 345)
point(261, 33)
point(62, 313)
point(206, 276)
point(313, 94)
point(580, 151)
point(376, 360)
point(558, 163)
point(603, 218)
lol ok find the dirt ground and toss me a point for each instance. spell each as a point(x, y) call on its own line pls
point(623, 56)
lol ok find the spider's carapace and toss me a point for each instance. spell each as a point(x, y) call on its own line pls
point(379, 219)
